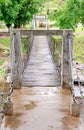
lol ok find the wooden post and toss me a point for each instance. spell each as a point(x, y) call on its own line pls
point(47, 26)
point(33, 24)
point(66, 74)
point(8, 108)
point(16, 62)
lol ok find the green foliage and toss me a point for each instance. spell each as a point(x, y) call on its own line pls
point(18, 12)
point(70, 14)
point(8, 11)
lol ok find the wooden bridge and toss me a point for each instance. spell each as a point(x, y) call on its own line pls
point(40, 69)
point(41, 99)
point(40, 63)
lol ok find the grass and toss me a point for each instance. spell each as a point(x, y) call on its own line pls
point(79, 29)
point(2, 71)
point(2, 25)
point(4, 47)
point(5, 41)
point(55, 47)
point(78, 48)
point(1, 61)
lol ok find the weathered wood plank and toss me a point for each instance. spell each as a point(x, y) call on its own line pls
point(40, 70)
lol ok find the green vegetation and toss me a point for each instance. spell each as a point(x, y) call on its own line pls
point(79, 30)
point(55, 46)
point(78, 48)
point(1, 61)
point(2, 71)
point(69, 14)
point(25, 44)
point(4, 52)
point(5, 41)
point(19, 12)
point(2, 25)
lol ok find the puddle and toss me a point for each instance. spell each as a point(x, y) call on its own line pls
point(30, 106)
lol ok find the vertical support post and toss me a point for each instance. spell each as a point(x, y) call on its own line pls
point(16, 62)
point(66, 73)
point(47, 27)
point(33, 24)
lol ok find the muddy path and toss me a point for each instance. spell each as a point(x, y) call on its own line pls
point(43, 108)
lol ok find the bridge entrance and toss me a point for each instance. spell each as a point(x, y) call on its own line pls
point(39, 20)
point(17, 66)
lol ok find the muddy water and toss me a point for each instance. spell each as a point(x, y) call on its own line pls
point(42, 108)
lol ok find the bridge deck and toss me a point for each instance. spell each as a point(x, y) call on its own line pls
point(40, 69)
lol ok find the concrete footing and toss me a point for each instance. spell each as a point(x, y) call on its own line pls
point(8, 108)
point(75, 109)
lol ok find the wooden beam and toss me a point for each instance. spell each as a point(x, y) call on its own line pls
point(41, 32)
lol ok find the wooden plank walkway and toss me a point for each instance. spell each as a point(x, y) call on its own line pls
point(40, 69)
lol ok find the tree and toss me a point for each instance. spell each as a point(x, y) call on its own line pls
point(8, 12)
point(18, 12)
point(70, 14)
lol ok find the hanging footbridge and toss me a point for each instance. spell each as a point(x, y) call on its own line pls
point(37, 74)
point(40, 50)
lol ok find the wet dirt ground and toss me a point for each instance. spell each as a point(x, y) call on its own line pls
point(42, 108)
